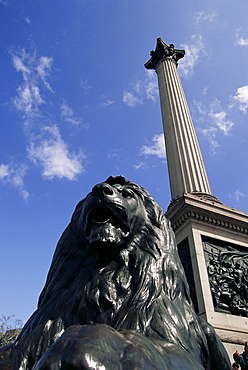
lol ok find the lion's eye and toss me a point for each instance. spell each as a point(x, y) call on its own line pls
point(127, 193)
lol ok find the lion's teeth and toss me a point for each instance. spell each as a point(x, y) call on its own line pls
point(101, 222)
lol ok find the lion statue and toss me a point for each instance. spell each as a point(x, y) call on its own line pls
point(116, 296)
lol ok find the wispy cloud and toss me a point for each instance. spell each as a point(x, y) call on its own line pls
point(140, 165)
point(131, 99)
point(204, 17)
point(210, 133)
point(219, 117)
point(29, 97)
point(241, 98)
point(53, 155)
point(157, 148)
point(134, 96)
point(34, 72)
point(236, 195)
point(115, 154)
point(217, 122)
point(46, 148)
point(13, 175)
point(140, 90)
point(44, 65)
point(85, 87)
point(193, 50)
point(67, 114)
point(151, 86)
point(4, 171)
point(240, 40)
point(106, 102)
point(220, 120)
point(201, 109)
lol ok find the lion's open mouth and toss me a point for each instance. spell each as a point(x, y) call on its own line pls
point(106, 225)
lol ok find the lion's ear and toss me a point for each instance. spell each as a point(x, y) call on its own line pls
point(111, 180)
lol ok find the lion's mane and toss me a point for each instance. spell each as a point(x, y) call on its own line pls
point(141, 288)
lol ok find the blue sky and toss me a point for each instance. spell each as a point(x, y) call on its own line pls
point(77, 105)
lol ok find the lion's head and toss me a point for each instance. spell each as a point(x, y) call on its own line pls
point(112, 214)
point(116, 264)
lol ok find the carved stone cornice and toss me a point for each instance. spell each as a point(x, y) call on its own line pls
point(232, 339)
point(208, 210)
point(215, 221)
point(202, 196)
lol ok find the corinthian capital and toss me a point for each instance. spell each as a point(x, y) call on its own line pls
point(163, 51)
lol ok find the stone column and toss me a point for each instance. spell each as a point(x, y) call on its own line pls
point(185, 164)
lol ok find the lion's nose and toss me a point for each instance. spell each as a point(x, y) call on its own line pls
point(102, 189)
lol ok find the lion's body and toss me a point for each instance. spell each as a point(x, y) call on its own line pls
point(116, 265)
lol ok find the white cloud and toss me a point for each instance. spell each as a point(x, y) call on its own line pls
point(137, 87)
point(4, 171)
point(106, 103)
point(158, 148)
point(134, 97)
point(85, 86)
point(13, 175)
point(116, 154)
point(221, 122)
point(44, 66)
point(140, 165)
point(24, 194)
point(205, 90)
point(131, 99)
point(34, 72)
point(216, 120)
point(54, 156)
point(193, 51)
point(218, 117)
point(236, 195)
point(46, 148)
point(151, 86)
point(141, 89)
point(66, 110)
point(67, 114)
point(201, 109)
point(28, 99)
point(240, 40)
point(18, 63)
point(242, 98)
point(202, 16)
point(195, 48)
point(210, 134)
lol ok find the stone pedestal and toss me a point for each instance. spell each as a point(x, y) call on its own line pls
point(212, 242)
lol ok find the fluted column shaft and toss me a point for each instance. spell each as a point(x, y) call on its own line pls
point(186, 167)
point(185, 164)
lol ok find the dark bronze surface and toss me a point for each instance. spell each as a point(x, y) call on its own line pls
point(227, 267)
point(163, 51)
point(116, 296)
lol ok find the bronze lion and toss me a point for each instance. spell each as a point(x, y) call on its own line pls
point(116, 296)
